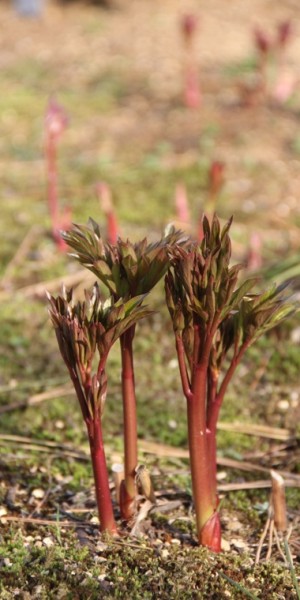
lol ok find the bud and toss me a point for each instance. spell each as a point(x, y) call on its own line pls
point(144, 482)
point(262, 41)
point(284, 32)
point(278, 501)
point(216, 176)
point(189, 25)
point(210, 534)
point(56, 119)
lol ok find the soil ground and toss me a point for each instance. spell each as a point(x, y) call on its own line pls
point(118, 71)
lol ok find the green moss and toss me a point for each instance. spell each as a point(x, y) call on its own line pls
point(120, 571)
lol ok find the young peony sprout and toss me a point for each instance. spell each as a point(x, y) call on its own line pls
point(56, 122)
point(214, 323)
point(127, 270)
point(85, 332)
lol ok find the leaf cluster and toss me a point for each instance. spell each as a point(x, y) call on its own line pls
point(203, 295)
point(84, 329)
point(126, 269)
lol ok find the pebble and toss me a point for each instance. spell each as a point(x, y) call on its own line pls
point(225, 545)
point(99, 559)
point(7, 562)
point(94, 520)
point(100, 547)
point(294, 396)
point(173, 364)
point(158, 542)
point(239, 544)
point(48, 542)
point(295, 335)
point(283, 405)
point(3, 511)
point(38, 493)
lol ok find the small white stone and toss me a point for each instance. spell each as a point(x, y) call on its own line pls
point(100, 547)
point(239, 544)
point(295, 335)
point(94, 520)
point(172, 424)
point(175, 542)
point(158, 542)
point(225, 545)
point(48, 542)
point(38, 493)
point(7, 562)
point(294, 396)
point(3, 511)
point(100, 559)
point(173, 364)
point(283, 405)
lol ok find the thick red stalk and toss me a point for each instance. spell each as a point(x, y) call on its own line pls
point(128, 489)
point(202, 470)
point(198, 450)
point(104, 503)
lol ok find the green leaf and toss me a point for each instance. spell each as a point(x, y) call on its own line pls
point(198, 308)
point(239, 294)
point(226, 228)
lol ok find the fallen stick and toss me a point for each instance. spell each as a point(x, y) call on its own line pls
point(147, 448)
point(39, 289)
point(37, 398)
point(265, 431)
point(54, 522)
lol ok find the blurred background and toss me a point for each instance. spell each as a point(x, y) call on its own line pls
point(154, 94)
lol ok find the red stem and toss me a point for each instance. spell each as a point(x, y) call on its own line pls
point(198, 449)
point(104, 503)
point(130, 423)
point(203, 484)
